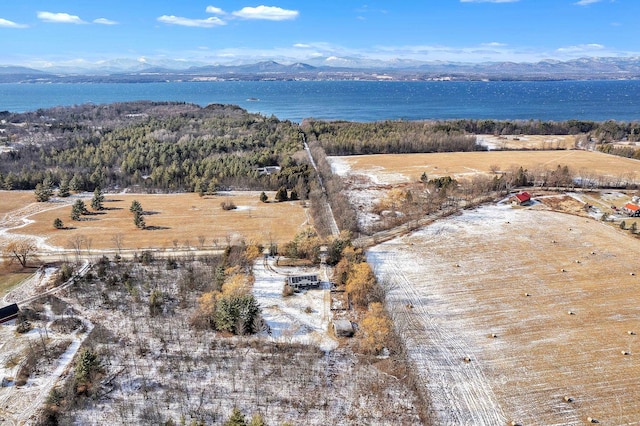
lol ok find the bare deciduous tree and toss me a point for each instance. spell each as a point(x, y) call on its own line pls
point(21, 250)
point(118, 240)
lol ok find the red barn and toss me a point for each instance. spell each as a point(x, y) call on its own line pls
point(522, 198)
point(632, 209)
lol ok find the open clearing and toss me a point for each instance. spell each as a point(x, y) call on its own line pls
point(402, 168)
point(174, 220)
point(493, 142)
point(537, 320)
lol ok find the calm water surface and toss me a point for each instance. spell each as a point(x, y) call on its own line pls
point(360, 100)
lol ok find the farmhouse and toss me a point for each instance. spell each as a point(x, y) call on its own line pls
point(268, 170)
point(632, 209)
point(522, 198)
point(7, 313)
point(298, 282)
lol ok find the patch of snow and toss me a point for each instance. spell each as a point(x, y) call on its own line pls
point(303, 317)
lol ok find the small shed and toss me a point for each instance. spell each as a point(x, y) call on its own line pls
point(343, 328)
point(632, 209)
point(7, 313)
point(300, 282)
point(522, 198)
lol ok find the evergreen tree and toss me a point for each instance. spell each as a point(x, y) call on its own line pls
point(87, 366)
point(294, 195)
point(281, 195)
point(63, 190)
point(263, 197)
point(212, 188)
point(135, 207)
point(633, 228)
point(44, 191)
point(78, 209)
point(237, 314)
point(138, 220)
point(236, 419)
point(57, 223)
point(97, 200)
point(257, 420)
point(76, 183)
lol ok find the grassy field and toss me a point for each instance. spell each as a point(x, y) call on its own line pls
point(399, 168)
point(9, 277)
point(173, 220)
point(13, 200)
point(541, 303)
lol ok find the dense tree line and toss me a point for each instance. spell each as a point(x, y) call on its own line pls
point(387, 137)
point(621, 151)
point(160, 146)
point(391, 137)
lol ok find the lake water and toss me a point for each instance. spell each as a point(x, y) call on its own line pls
point(359, 100)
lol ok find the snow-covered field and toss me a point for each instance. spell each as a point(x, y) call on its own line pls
point(302, 317)
point(505, 311)
point(159, 367)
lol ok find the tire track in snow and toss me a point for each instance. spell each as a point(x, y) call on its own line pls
point(458, 390)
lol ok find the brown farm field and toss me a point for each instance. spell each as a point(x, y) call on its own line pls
point(507, 311)
point(399, 168)
point(174, 220)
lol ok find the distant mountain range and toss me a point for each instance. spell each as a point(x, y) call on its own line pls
point(330, 68)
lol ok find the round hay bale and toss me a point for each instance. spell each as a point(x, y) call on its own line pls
point(563, 270)
point(631, 333)
point(409, 306)
point(527, 294)
point(569, 229)
point(553, 241)
point(571, 313)
point(593, 252)
point(466, 359)
point(632, 273)
point(514, 423)
point(577, 261)
point(567, 399)
point(457, 265)
point(592, 420)
point(625, 352)
point(494, 335)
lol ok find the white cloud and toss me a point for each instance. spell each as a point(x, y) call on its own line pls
point(104, 21)
point(302, 45)
point(269, 13)
point(586, 2)
point(60, 18)
point(5, 23)
point(215, 10)
point(188, 22)
point(580, 48)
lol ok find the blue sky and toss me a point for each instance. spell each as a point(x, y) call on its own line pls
point(45, 32)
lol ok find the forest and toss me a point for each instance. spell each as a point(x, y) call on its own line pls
point(395, 137)
point(177, 147)
point(154, 146)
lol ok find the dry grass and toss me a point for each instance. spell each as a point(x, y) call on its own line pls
point(541, 353)
point(13, 200)
point(173, 220)
point(398, 168)
point(9, 278)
